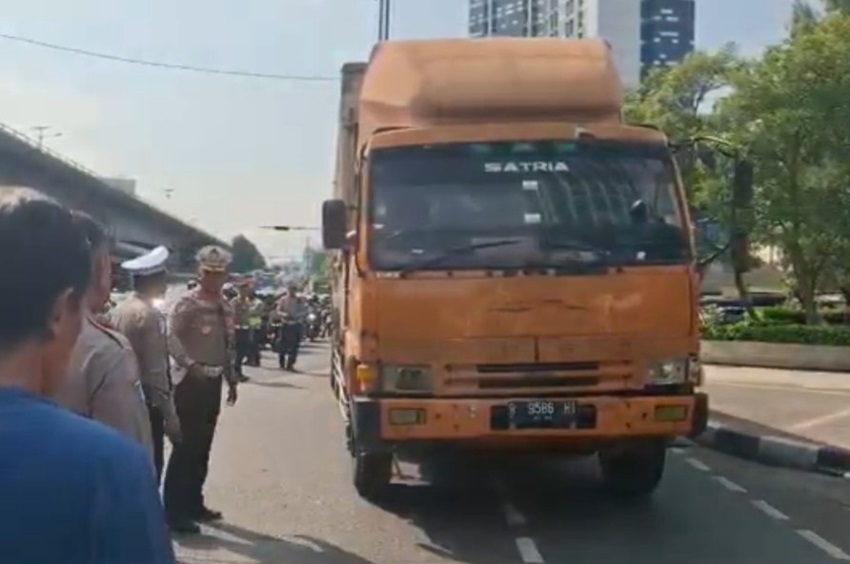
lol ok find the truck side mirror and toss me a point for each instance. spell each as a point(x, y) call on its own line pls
point(334, 228)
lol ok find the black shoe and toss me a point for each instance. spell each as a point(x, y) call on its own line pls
point(205, 515)
point(183, 526)
point(244, 378)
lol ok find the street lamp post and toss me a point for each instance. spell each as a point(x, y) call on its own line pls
point(40, 134)
point(384, 20)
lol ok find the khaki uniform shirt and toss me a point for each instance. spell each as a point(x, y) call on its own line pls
point(103, 383)
point(293, 308)
point(145, 326)
point(201, 338)
point(242, 311)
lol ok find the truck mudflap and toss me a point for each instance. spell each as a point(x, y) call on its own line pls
point(366, 424)
point(700, 416)
point(381, 422)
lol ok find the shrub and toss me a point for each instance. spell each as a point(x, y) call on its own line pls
point(772, 332)
point(786, 315)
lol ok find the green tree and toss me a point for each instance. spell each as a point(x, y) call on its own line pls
point(790, 109)
point(678, 99)
point(246, 256)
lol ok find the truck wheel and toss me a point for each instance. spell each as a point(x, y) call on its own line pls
point(634, 472)
point(372, 473)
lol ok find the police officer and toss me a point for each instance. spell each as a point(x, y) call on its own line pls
point(243, 309)
point(292, 311)
point(103, 376)
point(144, 326)
point(255, 321)
point(201, 344)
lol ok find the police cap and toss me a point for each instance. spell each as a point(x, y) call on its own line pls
point(149, 263)
point(213, 258)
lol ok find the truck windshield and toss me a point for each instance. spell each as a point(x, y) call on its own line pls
point(560, 202)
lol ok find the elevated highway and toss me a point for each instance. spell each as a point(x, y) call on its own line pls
point(137, 225)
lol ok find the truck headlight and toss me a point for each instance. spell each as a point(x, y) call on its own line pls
point(414, 379)
point(673, 371)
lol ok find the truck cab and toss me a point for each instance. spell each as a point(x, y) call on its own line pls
point(514, 265)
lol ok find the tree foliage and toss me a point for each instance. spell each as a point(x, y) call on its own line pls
point(246, 256)
point(788, 110)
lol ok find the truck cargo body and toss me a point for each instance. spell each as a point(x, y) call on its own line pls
point(518, 269)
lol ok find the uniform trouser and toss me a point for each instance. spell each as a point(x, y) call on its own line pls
point(290, 344)
point(243, 348)
point(254, 346)
point(158, 435)
point(198, 402)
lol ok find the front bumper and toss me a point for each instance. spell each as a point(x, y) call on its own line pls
point(378, 423)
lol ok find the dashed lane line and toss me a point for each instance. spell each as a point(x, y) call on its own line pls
point(513, 515)
point(823, 544)
point(698, 464)
point(763, 506)
point(528, 551)
point(729, 484)
point(769, 510)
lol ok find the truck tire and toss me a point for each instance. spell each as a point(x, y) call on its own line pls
point(372, 473)
point(634, 472)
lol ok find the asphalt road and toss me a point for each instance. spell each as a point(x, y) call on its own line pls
point(280, 474)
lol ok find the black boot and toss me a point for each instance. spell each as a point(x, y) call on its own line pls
point(183, 526)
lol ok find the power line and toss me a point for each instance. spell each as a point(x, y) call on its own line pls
point(163, 65)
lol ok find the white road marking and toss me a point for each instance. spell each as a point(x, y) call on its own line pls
point(788, 388)
point(730, 485)
point(769, 510)
point(698, 464)
point(528, 551)
point(677, 451)
point(513, 515)
point(823, 544)
point(817, 421)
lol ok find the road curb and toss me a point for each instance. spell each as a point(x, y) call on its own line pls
point(776, 451)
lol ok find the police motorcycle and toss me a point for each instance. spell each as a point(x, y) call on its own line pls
point(314, 326)
point(287, 340)
point(266, 334)
point(314, 323)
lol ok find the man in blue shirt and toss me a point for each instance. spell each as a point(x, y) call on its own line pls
point(72, 491)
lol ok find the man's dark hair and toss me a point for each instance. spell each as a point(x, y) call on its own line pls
point(43, 252)
point(98, 236)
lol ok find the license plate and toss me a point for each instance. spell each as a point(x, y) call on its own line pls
point(542, 413)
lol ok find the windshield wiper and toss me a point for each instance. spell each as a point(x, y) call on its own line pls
point(454, 251)
point(555, 244)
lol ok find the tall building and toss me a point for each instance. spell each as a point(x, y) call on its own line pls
point(667, 31)
point(517, 18)
point(643, 33)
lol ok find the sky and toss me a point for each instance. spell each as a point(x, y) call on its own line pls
point(230, 154)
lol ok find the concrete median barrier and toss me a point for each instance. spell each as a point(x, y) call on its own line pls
point(776, 450)
point(776, 355)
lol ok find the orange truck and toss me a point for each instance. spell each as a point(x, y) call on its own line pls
point(514, 266)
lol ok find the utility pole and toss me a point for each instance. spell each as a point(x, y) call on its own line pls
point(384, 20)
